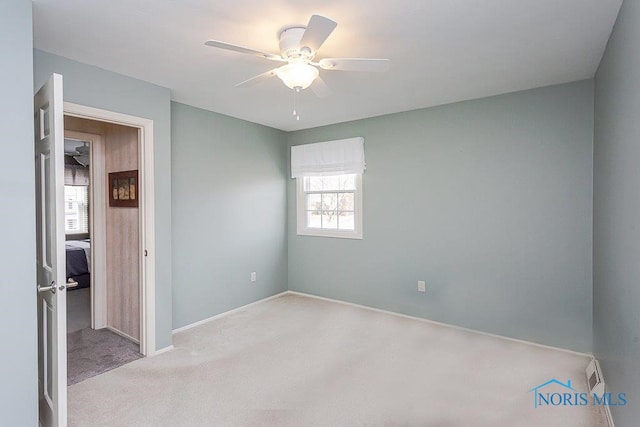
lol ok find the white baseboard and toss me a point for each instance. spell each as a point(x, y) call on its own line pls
point(607, 411)
point(607, 408)
point(392, 313)
point(226, 313)
point(122, 334)
point(163, 350)
point(433, 322)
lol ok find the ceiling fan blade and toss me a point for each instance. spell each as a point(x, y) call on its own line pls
point(236, 48)
point(83, 149)
point(83, 159)
point(257, 79)
point(320, 88)
point(318, 29)
point(355, 64)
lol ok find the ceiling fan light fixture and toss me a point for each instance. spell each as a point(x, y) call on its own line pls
point(297, 75)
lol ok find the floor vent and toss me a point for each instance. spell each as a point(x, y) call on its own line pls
point(594, 378)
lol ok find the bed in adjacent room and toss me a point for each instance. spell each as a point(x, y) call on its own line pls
point(79, 262)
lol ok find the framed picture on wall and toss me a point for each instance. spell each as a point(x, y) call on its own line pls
point(123, 189)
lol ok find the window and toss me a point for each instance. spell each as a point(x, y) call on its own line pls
point(76, 209)
point(329, 183)
point(330, 206)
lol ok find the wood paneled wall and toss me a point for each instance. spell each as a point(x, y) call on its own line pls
point(84, 125)
point(123, 237)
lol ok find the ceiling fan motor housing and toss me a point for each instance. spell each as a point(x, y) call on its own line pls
point(290, 48)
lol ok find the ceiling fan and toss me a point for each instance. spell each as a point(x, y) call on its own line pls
point(81, 155)
point(298, 48)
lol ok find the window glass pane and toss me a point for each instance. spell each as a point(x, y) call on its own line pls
point(329, 204)
point(312, 183)
point(329, 201)
point(347, 182)
point(314, 202)
point(329, 220)
point(346, 201)
point(331, 183)
point(76, 212)
point(339, 182)
point(314, 219)
point(346, 221)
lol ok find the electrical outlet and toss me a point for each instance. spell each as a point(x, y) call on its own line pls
point(422, 286)
point(254, 276)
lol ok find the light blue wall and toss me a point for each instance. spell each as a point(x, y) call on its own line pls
point(489, 201)
point(229, 213)
point(18, 367)
point(95, 87)
point(616, 245)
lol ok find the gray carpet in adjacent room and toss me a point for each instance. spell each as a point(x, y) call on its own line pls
point(91, 352)
point(78, 309)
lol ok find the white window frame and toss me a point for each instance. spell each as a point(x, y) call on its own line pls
point(85, 214)
point(303, 230)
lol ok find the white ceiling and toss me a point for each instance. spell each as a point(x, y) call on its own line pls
point(71, 145)
point(441, 51)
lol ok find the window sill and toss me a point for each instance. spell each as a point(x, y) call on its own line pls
point(332, 234)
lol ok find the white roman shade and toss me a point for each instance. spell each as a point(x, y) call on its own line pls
point(338, 157)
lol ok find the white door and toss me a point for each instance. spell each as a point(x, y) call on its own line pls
point(51, 262)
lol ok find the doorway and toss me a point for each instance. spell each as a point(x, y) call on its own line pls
point(51, 285)
point(110, 318)
point(78, 186)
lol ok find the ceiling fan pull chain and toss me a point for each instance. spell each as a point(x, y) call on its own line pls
point(294, 103)
point(296, 90)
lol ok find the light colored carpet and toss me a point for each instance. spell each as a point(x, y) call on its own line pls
point(298, 361)
point(78, 309)
point(91, 352)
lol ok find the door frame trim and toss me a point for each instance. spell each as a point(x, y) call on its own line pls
point(147, 214)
